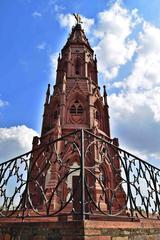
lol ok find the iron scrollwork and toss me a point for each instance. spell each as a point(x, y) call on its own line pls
point(80, 175)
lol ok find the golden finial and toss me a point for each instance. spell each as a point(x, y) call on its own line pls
point(78, 18)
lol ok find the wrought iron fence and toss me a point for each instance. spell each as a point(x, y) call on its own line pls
point(80, 175)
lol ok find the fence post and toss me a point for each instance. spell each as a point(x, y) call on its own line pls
point(82, 177)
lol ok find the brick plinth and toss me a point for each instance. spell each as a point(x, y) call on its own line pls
point(80, 230)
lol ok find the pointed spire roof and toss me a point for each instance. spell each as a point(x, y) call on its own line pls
point(105, 95)
point(47, 94)
point(77, 36)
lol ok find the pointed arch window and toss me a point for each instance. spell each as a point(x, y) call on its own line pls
point(77, 67)
point(73, 109)
point(76, 108)
point(79, 109)
point(89, 70)
point(97, 115)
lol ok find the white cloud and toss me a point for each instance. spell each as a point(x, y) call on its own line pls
point(15, 141)
point(3, 103)
point(146, 70)
point(53, 66)
point(144, 82)
point(87, 23)
point(135, 109)
point(36, 14)
point(115, 47)
point(42, 46)
point(68, 20)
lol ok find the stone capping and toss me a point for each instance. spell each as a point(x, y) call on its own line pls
point(88, 229)
point(142, 223)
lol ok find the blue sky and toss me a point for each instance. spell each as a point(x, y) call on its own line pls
point(125, 36)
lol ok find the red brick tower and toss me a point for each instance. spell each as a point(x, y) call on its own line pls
point(76, 103)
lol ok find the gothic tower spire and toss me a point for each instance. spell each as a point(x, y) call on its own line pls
point(76, 99)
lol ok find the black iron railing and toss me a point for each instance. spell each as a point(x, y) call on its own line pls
point(82, 176)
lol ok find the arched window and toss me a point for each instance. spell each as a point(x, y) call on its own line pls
point(90, 70)
point(80, 109)
point(73, 109)
point(76, 108)
point(77, 67)
point(97, 115)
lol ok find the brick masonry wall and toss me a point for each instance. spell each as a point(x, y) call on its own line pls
point(78, 230)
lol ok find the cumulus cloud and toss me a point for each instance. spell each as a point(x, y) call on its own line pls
point(135, 109)
point(15, 141)
point(146, 70)
point(142, 86)
point(68, 20)
point(115, 46)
